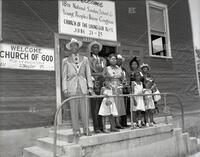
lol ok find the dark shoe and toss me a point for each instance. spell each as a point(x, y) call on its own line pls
point(114, 130)
point(126, 126)
point(143, 123)
point(97, 131)
point(119, 127)
point(105, 131)
point(87, 134)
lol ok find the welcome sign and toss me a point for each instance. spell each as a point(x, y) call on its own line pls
point(24, 57)
point(88, 18)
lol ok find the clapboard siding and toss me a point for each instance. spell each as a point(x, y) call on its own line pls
point(21, 24)
point(25, 112)
point(15, 83)
point(132, 28)
point(27, 98)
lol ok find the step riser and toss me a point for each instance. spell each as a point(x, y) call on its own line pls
point(186, 139)
point(193, 145)
point(36, 152)
point(61, 137)
point(29, 154)
point(198, 147)
point(49, 147)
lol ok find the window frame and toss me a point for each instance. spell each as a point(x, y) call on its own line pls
point(158, 5)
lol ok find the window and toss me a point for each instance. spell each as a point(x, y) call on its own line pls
point(158, 29)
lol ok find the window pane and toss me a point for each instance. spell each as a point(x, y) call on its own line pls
point(158, 45)
point(157, 19)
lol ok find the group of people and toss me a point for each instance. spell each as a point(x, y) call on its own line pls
point(96, 75)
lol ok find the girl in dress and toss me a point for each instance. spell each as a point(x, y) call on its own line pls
point(149, 102)
point(108, 107)
point(147, 76)
point(134, 67)
point(145, 69)
point(137, 102)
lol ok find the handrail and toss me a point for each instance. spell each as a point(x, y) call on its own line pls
point(119, 95)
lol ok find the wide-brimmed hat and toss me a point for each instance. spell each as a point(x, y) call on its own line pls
point(73, 41)
point(112, 56)
point(94, 43)
point(119, 56)
point(144, 65)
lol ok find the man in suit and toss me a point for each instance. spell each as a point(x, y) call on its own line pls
point(76, 81)
point(97, 65)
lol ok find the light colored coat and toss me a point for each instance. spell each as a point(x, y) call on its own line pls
point(71, 75)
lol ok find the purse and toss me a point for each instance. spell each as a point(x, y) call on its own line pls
point(108, 102)
point(157, 97)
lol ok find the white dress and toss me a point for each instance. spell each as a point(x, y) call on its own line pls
point(106, 110)
point(149, 100)
point(138, 89)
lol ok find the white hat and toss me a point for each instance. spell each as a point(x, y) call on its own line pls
point(144, 65)
point(73, 41)
point(94, 43)
point(119, 56)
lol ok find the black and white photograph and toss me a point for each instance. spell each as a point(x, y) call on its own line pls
point(99, 78)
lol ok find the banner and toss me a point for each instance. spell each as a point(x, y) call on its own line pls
point(88, 18)
point(26, 57)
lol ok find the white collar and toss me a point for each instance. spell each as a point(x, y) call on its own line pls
point(75, 55)
point(95, 56)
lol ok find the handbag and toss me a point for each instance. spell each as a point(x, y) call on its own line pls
point(108, 102)
point(157, 97)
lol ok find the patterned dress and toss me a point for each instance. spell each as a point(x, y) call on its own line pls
point(105, 109)
point(115, 75)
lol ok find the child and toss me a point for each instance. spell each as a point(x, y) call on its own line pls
point(145, 69)
point(138, 101)
point(149, 103)
point(108, 107)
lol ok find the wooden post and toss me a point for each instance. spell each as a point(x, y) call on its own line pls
point(58, 75)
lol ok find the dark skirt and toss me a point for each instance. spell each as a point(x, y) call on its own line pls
point(119, 101)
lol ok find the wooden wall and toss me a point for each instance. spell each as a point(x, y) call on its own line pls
point(173, 75)
point(27, 98)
